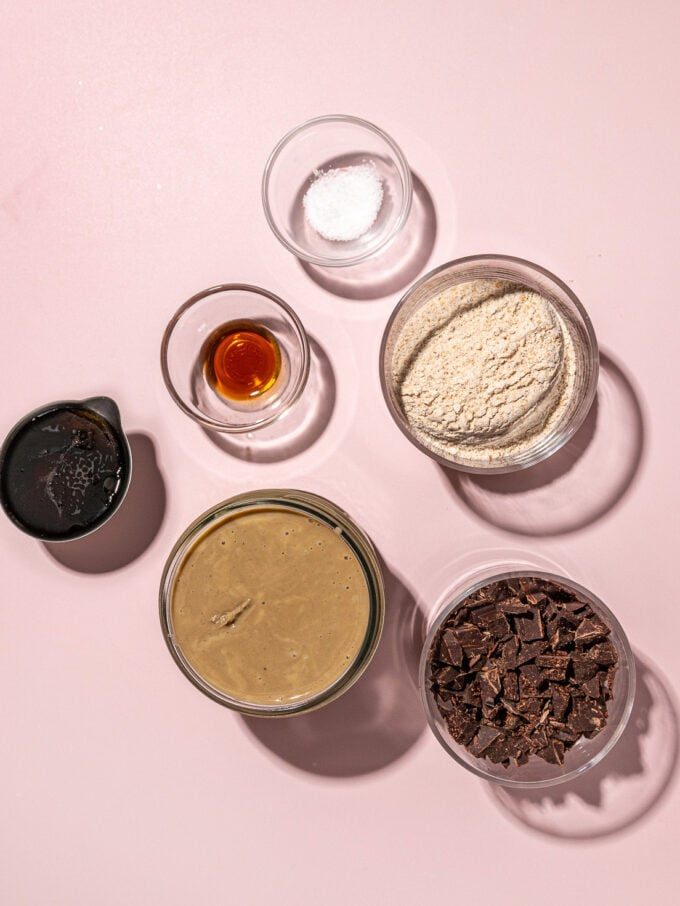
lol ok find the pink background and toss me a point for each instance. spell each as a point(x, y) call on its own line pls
point(133, 140)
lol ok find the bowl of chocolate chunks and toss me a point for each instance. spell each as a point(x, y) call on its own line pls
point(527, 680)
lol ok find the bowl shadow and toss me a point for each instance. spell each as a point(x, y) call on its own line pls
point(620, 791)
point(580, 483)
point(376, 721)
point(131, 529)
point(295, 431)
point(392, 269)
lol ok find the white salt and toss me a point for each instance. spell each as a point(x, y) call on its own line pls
point(343, 204)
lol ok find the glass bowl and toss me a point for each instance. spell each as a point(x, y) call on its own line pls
point(182, 353)
point(574, 316)
point(332, 142)
point(326, 513)
point(586, 753)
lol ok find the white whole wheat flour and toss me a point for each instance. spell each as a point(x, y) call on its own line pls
point(484, 369)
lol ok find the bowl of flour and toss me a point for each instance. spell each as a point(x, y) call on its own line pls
point(489, 364)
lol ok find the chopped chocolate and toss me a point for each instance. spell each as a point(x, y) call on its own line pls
point(604, 654)
point(509, 653)
point(583, 667)
point(485, 736)
point(561, 638)
point(593, 687)
point(561, 661)
point(530, 627)
point(555, 674)
point(514, 606)
point(461, 727)
point(511, 685)
point(529, 651)
point(490, 684)
point(522, 668)
point(446, 676)
point(468, 635)
point(450, 650)
point(589, 631)
point(553, 752)
point(530, 680)
point(560, 702)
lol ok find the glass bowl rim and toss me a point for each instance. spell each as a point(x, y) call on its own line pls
point(400, 220)
point(360, 544)
point(569, 430)
point(430, 708)
point(298, 328)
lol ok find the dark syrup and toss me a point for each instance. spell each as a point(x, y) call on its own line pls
point(62, 473)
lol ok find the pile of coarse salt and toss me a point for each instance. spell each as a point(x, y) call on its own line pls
point(343, 204)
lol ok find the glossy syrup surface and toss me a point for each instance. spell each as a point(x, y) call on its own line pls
point(242, 360)
point(62, 472)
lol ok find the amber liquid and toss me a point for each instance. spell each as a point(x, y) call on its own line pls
point(242, 361)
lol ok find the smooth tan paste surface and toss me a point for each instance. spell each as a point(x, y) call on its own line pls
point(270, 606)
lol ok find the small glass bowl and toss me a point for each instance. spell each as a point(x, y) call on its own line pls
point(574, 315)
point(319, 144)
point(326, 513)
point(586, 753)
point(182, 351)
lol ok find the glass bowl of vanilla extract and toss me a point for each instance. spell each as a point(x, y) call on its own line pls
point(235, 358)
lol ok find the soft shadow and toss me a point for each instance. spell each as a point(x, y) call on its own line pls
point(295, 431)
point(623, 788)
point(376, 721)
point(393, 269)
point(577, 485)
point(132, 527)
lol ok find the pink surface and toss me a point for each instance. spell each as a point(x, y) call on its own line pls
point(134, 136)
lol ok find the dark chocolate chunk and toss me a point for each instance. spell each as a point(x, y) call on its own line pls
point(450, 649)
point(560, 661)
point(485, 736)
point(583, 668)
point(560, 702)
point(529, 651)
point(522, 668)
point(589, 631)
point(603, 654)
point(553, 752)
point(500, 750)
point(511, 686)
point(509, 653)
point(461, 727)
point(514, 606)
point(554, 674)
point(471, 695)
point(446, 676)
point(530, 680)
point(468, 635)
point(489, 684)
point(593, 687)
point(561, 638)
point(530, 628)
point(586, 717)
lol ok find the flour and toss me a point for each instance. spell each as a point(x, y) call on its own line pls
point(484, 369)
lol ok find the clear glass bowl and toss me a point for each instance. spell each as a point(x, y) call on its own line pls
point(586, 753)
point(320, 143)
point(326, 513)
point(541, 281)
point(182, 356)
